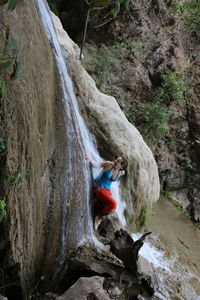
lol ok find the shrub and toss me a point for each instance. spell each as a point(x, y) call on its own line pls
point(189, 12)
point(103, 61)
point(2, 209)
point(2, 146)
point(3, 89)
point(151, 118)
point(144, 217)
point(172, 88)
point(11, 3)
point(129, 46)
point(54, 7)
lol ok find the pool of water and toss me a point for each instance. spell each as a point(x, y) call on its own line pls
point(177, 232)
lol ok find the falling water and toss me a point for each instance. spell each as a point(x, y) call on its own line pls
point(77, 224)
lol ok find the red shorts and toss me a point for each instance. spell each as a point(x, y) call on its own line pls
point(105, 202)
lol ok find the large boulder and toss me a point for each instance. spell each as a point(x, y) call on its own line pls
point(86, 288)
point(114, 134)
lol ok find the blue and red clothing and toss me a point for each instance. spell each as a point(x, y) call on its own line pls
point(105, 203)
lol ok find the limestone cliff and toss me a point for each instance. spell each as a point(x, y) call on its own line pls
point(29, 126)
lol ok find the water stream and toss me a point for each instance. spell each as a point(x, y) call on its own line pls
point(77, 223)
point(177, 232)
point(173, 252)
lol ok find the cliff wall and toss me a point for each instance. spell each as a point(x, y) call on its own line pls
point(29, 175)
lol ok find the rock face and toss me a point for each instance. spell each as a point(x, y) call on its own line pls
point(114, 134)
point(34, 139)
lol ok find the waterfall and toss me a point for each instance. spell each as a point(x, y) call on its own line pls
point(77, 223)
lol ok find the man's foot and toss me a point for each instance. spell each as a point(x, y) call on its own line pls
point(97, 222)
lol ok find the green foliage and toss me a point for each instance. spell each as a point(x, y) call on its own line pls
point(151, 118)
point(128, 46)
point(54, 6)
point(179, 206)
point(185, 161)
point(115, 8)
point(125, 3)
point(16, 179)
point(2, 146)
point(9, 58)
point(3, 89)
point(2, 209)
point(103, 62)
point(165, 193)
point(102, 2)
point(172, 88)
point(11, 4)
point(10, 51)
point(189, 12)
point(144, 217)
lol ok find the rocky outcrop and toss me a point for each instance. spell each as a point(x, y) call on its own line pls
point(114, 134)
point(117, 268)
point(86, 288)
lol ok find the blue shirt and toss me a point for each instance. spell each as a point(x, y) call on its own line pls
point(104, 179)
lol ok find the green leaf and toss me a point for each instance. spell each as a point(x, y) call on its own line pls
point(102, 3)
point(2, 145)
point(12, 4)
point(11, 178)
point(6, 65)
point(19, 176)
point(14, 46)
point(2, 209)
point(3, 93)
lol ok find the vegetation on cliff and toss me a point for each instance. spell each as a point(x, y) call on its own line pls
point(10, 50)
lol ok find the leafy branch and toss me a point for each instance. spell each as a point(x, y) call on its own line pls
point(2, 209)
point(11, 4)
